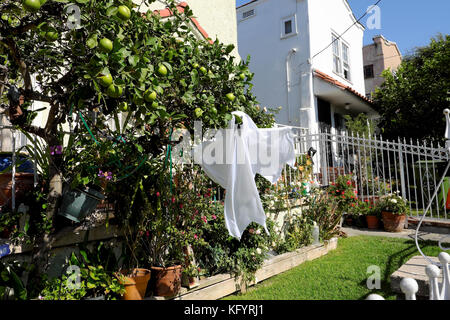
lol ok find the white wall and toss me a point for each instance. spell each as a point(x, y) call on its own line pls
point(335, 15)
point(260, 37)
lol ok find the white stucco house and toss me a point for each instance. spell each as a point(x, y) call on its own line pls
point(302, 63)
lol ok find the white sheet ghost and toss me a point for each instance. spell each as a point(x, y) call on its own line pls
point(232, 160)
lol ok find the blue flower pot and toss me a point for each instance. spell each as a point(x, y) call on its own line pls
point(77, 204)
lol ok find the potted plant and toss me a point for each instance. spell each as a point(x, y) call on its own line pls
point(344, 193)
point(371, 212)
point(394, 209)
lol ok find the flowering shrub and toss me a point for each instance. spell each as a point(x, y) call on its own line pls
point(323, 209)
point(343, 192)
point(394, 203)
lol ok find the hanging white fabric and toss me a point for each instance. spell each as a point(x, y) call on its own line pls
point(235, 156)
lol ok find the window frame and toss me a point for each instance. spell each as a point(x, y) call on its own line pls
point(372, 74)
point(338, 58)
point(293, 20)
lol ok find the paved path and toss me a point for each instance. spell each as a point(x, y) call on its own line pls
point(407, 234)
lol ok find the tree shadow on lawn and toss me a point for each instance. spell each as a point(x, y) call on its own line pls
point(393, 263)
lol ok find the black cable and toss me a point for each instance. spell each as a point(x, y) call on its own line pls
point(339, 37)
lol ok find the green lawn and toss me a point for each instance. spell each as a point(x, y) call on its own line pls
point(341, 274)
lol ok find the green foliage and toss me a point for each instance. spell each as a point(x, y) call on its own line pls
point(416, 95)
point(298, 233)
point(323, 209)
point(343, 191)
point(394, 203)
point(360, 125)
point(96, 277)
point(11, 284)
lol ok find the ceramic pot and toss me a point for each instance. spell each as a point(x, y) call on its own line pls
point(166, 281)
point(372, 222)
point(393, 222)
point(24, 184)
point(135, 283)
point(77, 204)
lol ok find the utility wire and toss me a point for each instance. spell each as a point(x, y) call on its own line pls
point(340, 36)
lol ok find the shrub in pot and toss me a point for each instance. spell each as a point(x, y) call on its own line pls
point(394, 210)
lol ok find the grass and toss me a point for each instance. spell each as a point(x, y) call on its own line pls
point(341, 274)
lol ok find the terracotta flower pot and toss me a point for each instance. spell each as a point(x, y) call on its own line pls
point(135, 283)
point(24, 184)
point(372, 222)
point(166, 281)
point(393, 222)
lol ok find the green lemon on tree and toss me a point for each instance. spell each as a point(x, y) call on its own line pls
point(242, 76)
point(230, 96)
point(32, 5)
point(106, 45)
point(203, 70)
point(106, 80)
point(124, 13)
point(114, 91)
point(195, 65)
point(150, 96)
point(123, 106)
point(51, 35)
point(213, 110)
point(162, 70)
point(198, 112)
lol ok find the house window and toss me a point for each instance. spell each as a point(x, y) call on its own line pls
point(341, 57)
point(345, 61)
point(248, 14)
point(368, 72)
point(288, 27)
point(336, 55)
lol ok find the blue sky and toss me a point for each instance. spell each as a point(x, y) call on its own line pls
point(409, 23)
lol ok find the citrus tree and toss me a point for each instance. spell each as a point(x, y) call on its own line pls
point(90, 60)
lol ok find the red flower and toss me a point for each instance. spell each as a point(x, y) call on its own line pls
point(181, 206)
point(173, 199)
point(204, 219)
point(158, 194)
point(147, 234)
point(349, 182)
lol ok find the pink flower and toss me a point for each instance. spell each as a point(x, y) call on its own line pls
point(195, 237)
point(147, 234)
point(204, 219)
point(173, 199)
point(214, 217)
point(158, 194)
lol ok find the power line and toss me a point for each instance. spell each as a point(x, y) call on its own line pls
point(340, 36)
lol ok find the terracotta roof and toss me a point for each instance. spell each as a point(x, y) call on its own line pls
point(339, 84)
point(180, 7)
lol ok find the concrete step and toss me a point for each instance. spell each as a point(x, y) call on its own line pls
point(431, 225)
point(414, 268)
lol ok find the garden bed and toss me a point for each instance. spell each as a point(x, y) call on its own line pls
point(221, 285)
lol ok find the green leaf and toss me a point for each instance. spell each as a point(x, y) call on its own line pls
point(92, 41)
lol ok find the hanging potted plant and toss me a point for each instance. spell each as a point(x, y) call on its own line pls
point(90, 170)
point(394, 210)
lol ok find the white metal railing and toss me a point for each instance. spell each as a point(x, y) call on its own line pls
point(379, 166)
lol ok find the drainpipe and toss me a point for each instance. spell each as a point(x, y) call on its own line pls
point(288, 81)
